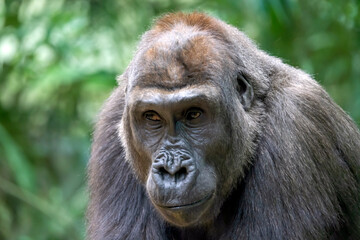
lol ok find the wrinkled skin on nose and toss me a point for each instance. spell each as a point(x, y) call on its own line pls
point(173, 168)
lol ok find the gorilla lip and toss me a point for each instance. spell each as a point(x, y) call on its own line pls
point(189, 205)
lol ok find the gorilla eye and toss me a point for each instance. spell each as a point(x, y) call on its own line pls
point(193, 114)
point(152, 116)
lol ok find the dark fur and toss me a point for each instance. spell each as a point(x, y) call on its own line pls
point(300, 178)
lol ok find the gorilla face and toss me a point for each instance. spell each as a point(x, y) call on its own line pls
point(179, 129)
point(182, 135)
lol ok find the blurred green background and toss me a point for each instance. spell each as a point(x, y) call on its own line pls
point(58, 63)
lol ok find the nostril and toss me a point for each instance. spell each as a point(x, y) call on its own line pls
point(163, 171)
point(181, 174)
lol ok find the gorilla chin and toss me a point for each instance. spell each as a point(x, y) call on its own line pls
point(188, 214)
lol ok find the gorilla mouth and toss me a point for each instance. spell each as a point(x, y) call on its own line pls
point(189, 205)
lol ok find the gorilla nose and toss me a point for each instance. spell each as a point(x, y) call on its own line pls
point(172, 168)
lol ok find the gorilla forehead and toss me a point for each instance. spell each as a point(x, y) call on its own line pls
point(180, 57)
point(145, 97)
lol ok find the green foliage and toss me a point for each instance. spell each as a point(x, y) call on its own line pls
point(58, 63)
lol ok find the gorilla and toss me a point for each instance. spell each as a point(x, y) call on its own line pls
point(208, 137)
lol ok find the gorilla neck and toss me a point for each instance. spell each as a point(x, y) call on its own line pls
point(219, 228)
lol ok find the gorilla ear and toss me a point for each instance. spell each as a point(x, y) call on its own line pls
point(245, 91)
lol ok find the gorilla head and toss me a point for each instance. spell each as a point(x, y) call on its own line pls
point(177, 123)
